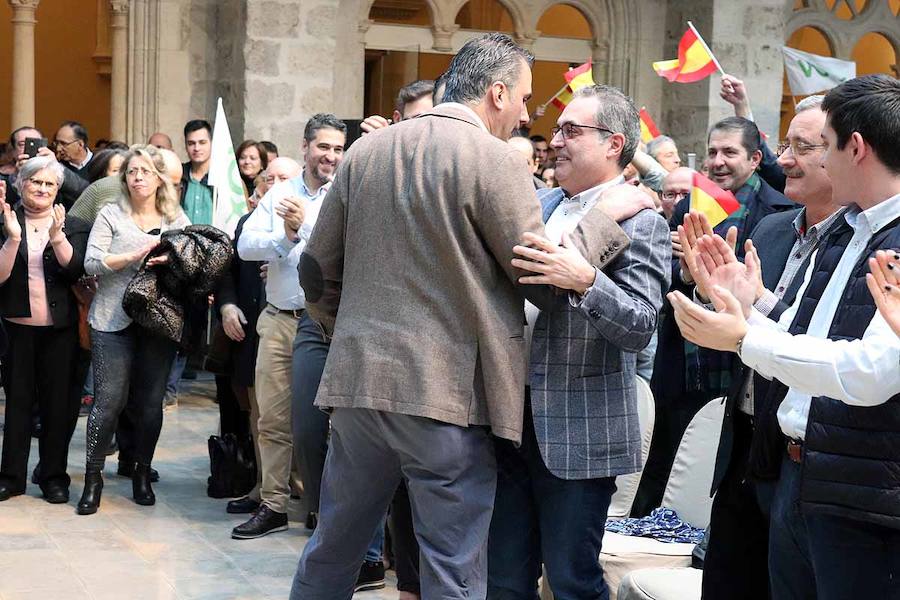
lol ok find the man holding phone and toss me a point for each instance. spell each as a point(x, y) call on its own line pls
point(72, 185)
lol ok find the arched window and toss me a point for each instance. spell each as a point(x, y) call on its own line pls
point(400, 12)
point(562, 20)
point(485, 15)
point(874, 53)
point(807, 39)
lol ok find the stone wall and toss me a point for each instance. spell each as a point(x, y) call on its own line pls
point(746, 38)
point(290, 54)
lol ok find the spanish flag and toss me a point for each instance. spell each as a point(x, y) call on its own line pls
point(711, 200)
point(695, 60)
point(579, 77)
point(648, 127)
point(576, 79)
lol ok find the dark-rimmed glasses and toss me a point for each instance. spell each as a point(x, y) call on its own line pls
point(572, 130)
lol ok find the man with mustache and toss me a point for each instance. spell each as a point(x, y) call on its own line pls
point(736, 562)
point(686, 377)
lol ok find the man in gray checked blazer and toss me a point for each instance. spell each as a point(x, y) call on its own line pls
point(581, 422)
point(409, 270)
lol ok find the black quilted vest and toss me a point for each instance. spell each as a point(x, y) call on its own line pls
point(851, 464)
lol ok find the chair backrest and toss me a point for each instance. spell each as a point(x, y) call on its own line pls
point(627, 485)
point(687, 491)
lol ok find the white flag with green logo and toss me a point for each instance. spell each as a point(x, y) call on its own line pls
point(810, 73)
point(228, 189)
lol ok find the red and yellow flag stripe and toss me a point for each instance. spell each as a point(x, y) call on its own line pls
point(695, 60)
point(649, 130)
point(711, 200)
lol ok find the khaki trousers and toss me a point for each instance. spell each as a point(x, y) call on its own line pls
point(273, 398)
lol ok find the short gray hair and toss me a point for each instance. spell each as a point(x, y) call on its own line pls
point(616, 112)
point(809, 103)
point(36, 164)
point(481, 62)
point(654, 144)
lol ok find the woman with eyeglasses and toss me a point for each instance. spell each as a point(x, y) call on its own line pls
point(37, 267)
point(127, 358)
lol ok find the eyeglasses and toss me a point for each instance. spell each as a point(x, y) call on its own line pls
point(39, 183)
point(133, 171)
point(798, 148)
point(62, 144)
point(573, 130)
point(676, 196)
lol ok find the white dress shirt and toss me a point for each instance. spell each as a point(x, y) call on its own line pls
point(263, 239)
point(864, 372)
point(565, 219)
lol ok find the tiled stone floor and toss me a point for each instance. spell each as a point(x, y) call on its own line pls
point(178, 549)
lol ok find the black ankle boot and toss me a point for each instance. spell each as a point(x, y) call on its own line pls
point(90, 498)
point(140, 486)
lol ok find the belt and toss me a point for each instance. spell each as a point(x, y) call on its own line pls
point(795, 450)
point(294, 312)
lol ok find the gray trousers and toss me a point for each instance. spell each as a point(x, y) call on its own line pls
point(451, 474)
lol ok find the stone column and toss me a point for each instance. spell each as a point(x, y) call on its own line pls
point(118, 25)
point(23, 61)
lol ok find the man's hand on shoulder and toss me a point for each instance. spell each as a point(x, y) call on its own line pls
point(374, 123)
point(623, 201)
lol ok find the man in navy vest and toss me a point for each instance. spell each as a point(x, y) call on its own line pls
point(830, 422)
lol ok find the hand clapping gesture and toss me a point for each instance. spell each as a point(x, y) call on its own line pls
point(11, 226)
point(57, 224)
point(884, 284)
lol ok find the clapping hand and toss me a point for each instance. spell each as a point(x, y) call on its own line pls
point(884, 285)
point(695, 226)
point(720, 330)
point(718, 267)
point(58, 222)
point(11, 227)
point(293, 211)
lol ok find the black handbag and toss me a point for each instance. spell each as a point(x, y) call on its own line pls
point(232, 466)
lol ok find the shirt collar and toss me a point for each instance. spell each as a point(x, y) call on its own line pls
point(299, 184)
point(87, 159)
point(874, 219)
point(469, 110)
point(590, 196)
point(802, 230)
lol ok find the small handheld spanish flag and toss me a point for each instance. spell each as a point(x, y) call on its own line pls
point(649, 130)
point(711, 200)
point(695, 60)
point(577, 78)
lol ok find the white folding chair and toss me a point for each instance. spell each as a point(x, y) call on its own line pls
point(687, 492)
point(627, 485)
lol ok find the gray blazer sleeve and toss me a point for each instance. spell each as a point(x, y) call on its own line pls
point(624, 302)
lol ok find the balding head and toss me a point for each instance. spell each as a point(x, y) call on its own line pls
point(282, 169)
point(160, 140)
point(676, 186)
point(173, 166)
point(524, 146)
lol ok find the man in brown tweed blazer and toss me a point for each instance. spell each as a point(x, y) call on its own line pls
point(409, 270)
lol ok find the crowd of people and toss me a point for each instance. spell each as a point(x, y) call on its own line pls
point(438, 333)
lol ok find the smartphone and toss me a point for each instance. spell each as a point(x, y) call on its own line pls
point(32, 145)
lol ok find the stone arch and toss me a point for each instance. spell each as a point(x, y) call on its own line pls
point(365, 8)
point(888, 36)
point(515, 9)
point(821, 29)
point(596, 14)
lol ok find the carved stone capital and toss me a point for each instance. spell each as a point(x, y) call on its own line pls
point(443, 36)
point(119, 7)
point(526, 39)
point(24, 4)
point(364, 26)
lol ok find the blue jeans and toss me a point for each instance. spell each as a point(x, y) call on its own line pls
point(131, 362)
point(825, 557)
point(542, 519)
